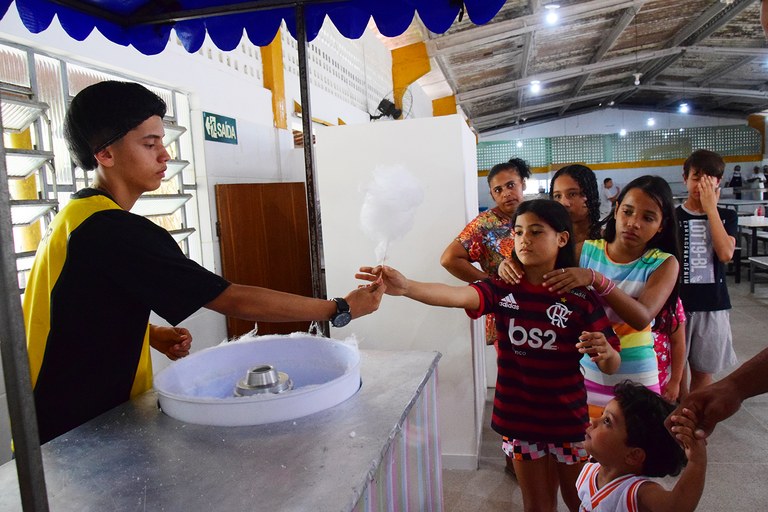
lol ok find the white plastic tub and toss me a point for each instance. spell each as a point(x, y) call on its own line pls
point(199, 388)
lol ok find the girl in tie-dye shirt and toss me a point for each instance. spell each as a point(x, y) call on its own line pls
point(634, 270)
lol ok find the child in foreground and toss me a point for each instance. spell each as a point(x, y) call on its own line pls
point(631, 444)
point(540, 405)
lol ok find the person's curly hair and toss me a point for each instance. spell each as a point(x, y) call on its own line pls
point(644, 415)
point(585, 177)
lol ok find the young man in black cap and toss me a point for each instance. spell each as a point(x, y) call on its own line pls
point(100, 270)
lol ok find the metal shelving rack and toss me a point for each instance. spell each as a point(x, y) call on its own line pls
point(19, 114)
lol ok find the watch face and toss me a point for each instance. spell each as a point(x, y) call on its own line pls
point(341, 319)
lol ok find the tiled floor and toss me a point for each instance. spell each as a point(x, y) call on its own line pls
point(737, 474)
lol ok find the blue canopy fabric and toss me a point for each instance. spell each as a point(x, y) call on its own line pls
point(392, 17)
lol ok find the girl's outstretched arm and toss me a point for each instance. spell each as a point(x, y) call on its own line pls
point(434, 294)
point(685, 495)
point(638, 313)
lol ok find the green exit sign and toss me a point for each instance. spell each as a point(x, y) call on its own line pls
point(220, 128)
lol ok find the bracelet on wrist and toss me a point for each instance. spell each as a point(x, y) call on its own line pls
point(608, 289)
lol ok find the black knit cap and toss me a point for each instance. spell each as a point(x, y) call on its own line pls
point(101, 114)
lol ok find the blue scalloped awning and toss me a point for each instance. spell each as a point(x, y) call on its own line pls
point(114, 19)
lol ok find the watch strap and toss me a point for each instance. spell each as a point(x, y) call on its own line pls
point(342, 306)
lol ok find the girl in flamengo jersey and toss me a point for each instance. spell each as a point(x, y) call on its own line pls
point(634, 269)
point(540, 403)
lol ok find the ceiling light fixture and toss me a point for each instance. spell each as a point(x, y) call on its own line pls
point(519, 144)
point(535, 87)
point(683, 108)
point(637, 77)
point(651, 122)
point(551, 17)
point(622, 133)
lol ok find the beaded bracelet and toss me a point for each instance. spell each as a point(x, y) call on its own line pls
point(608, 289)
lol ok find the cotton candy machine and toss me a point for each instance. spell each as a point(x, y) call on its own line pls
point(259, 380)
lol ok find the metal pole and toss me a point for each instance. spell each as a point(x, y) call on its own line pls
point(318, 283)
point(13, 347)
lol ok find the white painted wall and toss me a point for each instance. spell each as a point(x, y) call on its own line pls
point(440, 153)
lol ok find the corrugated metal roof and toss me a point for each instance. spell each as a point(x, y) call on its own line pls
point(708, 53)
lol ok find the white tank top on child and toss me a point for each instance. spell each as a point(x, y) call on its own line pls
point(618, 495)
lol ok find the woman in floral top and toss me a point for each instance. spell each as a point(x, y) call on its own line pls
point(488, 239)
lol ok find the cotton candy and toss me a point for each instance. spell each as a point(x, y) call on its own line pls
point(389, 208)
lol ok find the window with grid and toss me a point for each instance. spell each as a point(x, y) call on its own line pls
point(35, 90)
point(647, 145)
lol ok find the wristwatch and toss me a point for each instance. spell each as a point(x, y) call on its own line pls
point(342, 316)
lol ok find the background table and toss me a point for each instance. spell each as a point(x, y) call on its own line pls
point(753, 224)
point(736, 203)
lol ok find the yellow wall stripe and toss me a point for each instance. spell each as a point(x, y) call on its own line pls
point(274, 79)
point(757, 122)
point(444, 106)
point(28, 237)
point(409, 63)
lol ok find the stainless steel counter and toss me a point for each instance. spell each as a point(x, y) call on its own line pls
point(137, 458)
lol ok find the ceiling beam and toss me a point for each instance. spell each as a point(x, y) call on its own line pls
point(539, 107)
point(562, 74)
point(526, 58)
point(539, 120)
point(711, 91)
point(578, 71)
point(494, 32)
point(728, 50)
point(716, 16)
point(618, 28)
point(676, 98)
point(725, 70)
point(678, 89)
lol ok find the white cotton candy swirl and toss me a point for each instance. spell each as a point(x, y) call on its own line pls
point(389, 208)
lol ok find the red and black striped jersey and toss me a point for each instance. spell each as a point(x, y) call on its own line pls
point(540, 393)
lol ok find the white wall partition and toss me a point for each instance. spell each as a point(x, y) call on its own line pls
point(440, 152)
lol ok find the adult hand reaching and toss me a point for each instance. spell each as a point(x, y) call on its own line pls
point(711, 405)
point(722, 399)
point(394, 282)
point(366, 299)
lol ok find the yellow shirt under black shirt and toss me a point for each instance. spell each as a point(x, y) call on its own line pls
point(97, 274)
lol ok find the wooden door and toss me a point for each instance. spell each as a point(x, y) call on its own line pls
point(264, 239)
